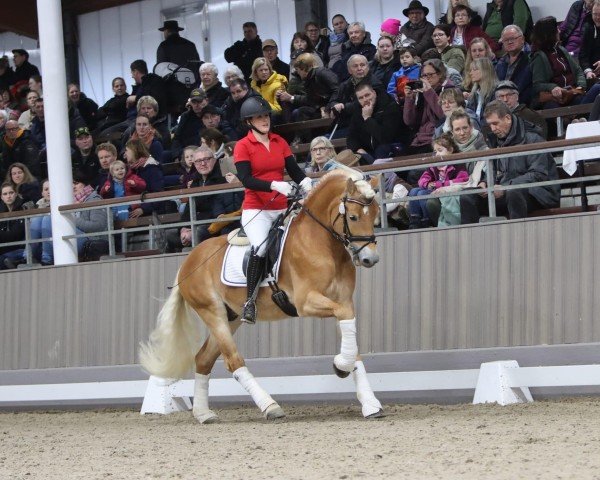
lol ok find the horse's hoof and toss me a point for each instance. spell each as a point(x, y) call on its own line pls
point(207, 418)
point(340, 373)
point(378, 414)
point(274, 412)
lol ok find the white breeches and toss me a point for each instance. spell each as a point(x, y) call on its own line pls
point(257, 224)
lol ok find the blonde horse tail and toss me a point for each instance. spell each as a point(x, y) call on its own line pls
point(174, 342)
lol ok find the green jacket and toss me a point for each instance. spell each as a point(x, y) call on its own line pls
point(454, 57)
point(542, 72)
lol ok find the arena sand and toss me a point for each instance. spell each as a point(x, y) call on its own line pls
point(547, 440)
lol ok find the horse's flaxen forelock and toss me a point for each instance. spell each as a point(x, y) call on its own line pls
point(362, 185)
point(365, 189)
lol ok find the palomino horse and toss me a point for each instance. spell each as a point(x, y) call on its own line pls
point(336, 227)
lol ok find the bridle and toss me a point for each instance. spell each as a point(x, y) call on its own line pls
point(346, 238)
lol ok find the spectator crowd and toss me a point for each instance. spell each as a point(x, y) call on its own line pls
point(464, 83)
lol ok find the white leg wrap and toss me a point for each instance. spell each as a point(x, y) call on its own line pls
point(346, 359)
point(364, 393)
point(200, 410)
point(262, 399)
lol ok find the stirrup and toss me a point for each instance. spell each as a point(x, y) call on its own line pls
point(249, 312)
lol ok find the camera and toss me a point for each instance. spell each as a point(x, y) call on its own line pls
point(414, 84)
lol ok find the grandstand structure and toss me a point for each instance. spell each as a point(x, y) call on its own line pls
point(440, 299)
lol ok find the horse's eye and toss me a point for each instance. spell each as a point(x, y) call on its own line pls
point(353, 218)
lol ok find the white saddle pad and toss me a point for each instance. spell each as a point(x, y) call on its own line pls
point(231, 271)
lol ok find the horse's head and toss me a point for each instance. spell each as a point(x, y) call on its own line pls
point(359, 212)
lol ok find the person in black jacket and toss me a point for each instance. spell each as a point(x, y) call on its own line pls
point(146, 84)
point(114, 111)
point(86, 106)
point(176, 49)
point(321, 87)
point(190, 124)
point(320, 42)
point(271, 52)
point(508, 130)
point(359, 43)
point(23, 69)
point(571, 29)
point(18, 147)
point(238, 93)
point(589, 55)
point(7, 75)
point(207, 207)
point(209, 78)
point(244, 52)
point(376, 125)
point(501, 13)
point(11, 230)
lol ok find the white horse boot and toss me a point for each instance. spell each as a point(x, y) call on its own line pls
point(200, 410)
point(344, 362)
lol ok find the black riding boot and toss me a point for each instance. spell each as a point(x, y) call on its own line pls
point(254, 275)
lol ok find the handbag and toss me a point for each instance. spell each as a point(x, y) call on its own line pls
point(567, 96)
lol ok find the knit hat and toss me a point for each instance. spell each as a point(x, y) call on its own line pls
point(391, 26)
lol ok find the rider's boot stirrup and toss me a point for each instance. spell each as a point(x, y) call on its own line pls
point(254, 275)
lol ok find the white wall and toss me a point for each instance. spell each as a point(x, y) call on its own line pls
point(373, 12)
point(111, 39)
point(9, 41)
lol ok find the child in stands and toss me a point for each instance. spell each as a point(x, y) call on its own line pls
point(434, 178)
point(409, 71)
point(122, 183)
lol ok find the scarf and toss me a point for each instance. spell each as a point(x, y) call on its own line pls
point(148, 139)
point(10, 142)
point(82, 197)
point(142, 162)
point(336, 38)
point(469, 145)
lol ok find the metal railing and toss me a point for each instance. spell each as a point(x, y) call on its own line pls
point(396, 165)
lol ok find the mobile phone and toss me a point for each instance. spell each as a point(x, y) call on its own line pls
point(415, 84)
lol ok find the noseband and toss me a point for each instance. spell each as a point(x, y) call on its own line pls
point(347, 238)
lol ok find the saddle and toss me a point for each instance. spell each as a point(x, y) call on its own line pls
point(275, 241)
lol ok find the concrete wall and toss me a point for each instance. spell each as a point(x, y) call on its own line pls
point(507, 284)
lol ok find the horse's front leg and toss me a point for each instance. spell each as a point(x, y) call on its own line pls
point(347, 361)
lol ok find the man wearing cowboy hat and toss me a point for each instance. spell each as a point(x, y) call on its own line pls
point(418, 28)
point(176, 49)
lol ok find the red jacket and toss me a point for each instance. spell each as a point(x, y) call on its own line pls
point(134, 185)
point(471, 31)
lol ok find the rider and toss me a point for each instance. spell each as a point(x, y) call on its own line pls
point(260, 158)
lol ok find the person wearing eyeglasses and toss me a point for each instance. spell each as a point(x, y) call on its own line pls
point(422, 109)
point(508, 93)
point(463, 30)
point(207, 206)
point(514, 65)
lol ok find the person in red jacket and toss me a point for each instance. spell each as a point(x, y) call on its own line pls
point(260, 158)
point(463, 30)
point(122, 182)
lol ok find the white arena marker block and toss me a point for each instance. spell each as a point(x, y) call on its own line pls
point(159, 398)
point(494, 385)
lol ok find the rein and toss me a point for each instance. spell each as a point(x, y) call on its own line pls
point(347, 238)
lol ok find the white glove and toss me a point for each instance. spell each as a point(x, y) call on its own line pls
point(306, 185)
point(282, 187)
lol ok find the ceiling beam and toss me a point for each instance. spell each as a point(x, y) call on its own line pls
point(21, 20)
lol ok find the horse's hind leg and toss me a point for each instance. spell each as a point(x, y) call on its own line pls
point(205, 361)
point(221, 337)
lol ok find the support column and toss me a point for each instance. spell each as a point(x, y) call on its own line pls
point(57, 127)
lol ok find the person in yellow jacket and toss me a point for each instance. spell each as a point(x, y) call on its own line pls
point(267, 82)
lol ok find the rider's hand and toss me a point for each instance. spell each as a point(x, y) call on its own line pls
point(306, 185)
point(282, 187)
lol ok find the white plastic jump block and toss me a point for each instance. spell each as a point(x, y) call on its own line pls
point(495, 385)
point(159, 397)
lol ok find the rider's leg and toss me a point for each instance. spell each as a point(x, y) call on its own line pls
point(256, 224)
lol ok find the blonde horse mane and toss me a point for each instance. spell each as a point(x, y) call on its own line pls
point(362, 185)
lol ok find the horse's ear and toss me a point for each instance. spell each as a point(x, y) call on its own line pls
point(350, 187)
point(374, 182)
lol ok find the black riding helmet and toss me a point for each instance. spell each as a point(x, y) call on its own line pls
point(254, 106)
